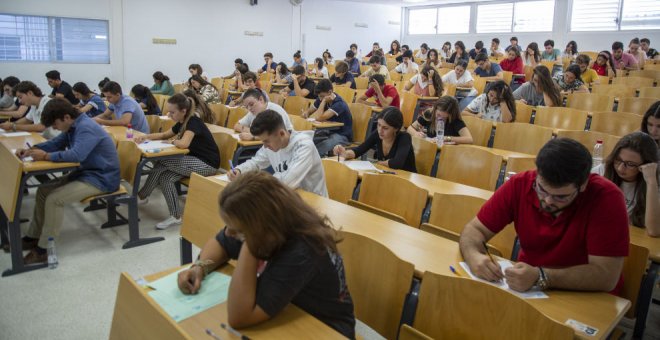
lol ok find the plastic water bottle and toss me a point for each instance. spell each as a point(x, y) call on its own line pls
point(52, 256)
point(440, 131)
point(129, 132)
point(598, 154)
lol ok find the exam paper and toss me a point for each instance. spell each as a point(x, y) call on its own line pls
point(504, 264)
point(154, 145)
point(361, 166)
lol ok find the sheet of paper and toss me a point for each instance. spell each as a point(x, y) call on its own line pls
point(24, 159)
point(236, 136)
point(180, 306)
point(504, 264)
point(311, 119)
point(223, 177)
point(361, 166)
point(154, 145)
point(15, 134)
point(580, 327)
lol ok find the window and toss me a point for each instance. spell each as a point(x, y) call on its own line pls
point(454, 19)
point(494, 18)
point(603, 15)
point(53, 39)
point(422, 21)
point(533, 16)
point(640, 15)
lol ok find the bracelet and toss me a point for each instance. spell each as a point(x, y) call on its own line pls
point(204, 264)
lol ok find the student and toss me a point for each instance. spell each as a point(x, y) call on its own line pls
point(376, 68)
point(237, 64)
point(588, 75)
point(196, 69)
point(635, 51)
point(461, 77)
point(550, 52)
point(586, 253)
point(633, 167)
point(426, 83)
point(395, 49)
point(248, 81)
point(514, 44)
point(282, 74)
point(30, 95)
point(202, 110)
point(319, 69)
point(17, 110)
point(423, 52)
point(407, 65)
point(513, 63)
point(446, 50)
point(487, 70)
point(255, 102)
point(61, 88)
point(81, 141)
point(478, 49)
point(495, 49)
point(146, 100)
point(332, 108)
point(433, 60)
point(102, 83)
point(386, 94)
point(162, 84)
point(327, 57)
point(7, 102)
point(353, 62)
point(292, 155)
point(301, 85)
point(541, 90)
point(651, 122)
point(393, 146)
point(190, 133)
point(90, 103)
point(404, 48)
point(532, 55)
point(342, 76)
point(651, 53)
point(570, 81)
point(571, 50)
point(623, 60)
point(297, 245)
point(459, 53)
point(270, 66)
point(126, 110)
point(298, 60)
point(456, 132)
point(206, 90)
point(604, 64)
point(375, 47)
point(356, 52)
point(496, 105)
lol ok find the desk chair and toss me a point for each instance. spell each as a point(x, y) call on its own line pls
point(378, 281)
point(276, 98)
point(480, 129)
point(227, 145)
point(637, 105)
point(445, 301)
point(633, 81)
point(589, 138)
point(408, 333)
point(634, 269)
point(470, 166)
point(408, 105)
point(560, 118)
point(508, 76)
point(346, 93)
point(521, 137)
point(220, 111)
point(394, 75)
point(395, 195)
point(361, 118)
point(479, 84)
point(590, 102)
point(340, 180)
point(450, 89)
point(406, 77)
point(524, 112)
point(299, 123)
point(614, 90)
point(361, 83)
point(425, 152)
point(649, 71)
point(615, 123)
point(166, 124)
point(154, 124)
point(520, 164)
point(235, 114)
point(294, 105)
point(650, 92)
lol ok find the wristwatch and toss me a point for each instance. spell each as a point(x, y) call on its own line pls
point(448, 139)
point(543, 283)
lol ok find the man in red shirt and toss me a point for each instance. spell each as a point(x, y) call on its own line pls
point(572, 225)
point(386, 95)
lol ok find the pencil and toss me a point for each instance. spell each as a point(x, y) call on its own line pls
point(453, 270)
point(488, 252)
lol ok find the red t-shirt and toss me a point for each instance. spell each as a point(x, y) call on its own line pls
point(515, 66)
point(388, 91)
point(596, 223)
point(601, 70)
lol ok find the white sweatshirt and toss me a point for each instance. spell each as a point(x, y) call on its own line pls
point(298, 165)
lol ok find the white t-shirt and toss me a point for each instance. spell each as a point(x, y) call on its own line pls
point(249, 117)
point(499, 49)
point(450, 78)
point(628, 189)
point(422, 56)
point(35, 116)
point(324, 72)
point(483, 106)
point(403, 67)
point(417, 78)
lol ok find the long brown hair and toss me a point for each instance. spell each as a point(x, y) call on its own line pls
point(645, 146)
point(270, 213)
point(183, 103)
point(201, 108)
point(547, 85)
point(436, 80)
point(447, 104)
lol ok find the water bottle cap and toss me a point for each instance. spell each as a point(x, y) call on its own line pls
point(51, 239)
point(128, 126)
point(599, 142)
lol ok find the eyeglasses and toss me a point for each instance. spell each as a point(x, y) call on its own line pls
point(626, 164)
point(543, 194)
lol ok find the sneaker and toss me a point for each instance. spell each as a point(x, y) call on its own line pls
point(169, 222)
point(142, 201)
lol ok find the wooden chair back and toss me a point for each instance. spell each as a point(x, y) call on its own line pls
point(361, 118)
point(220, 113)
point(394, 194)
point(361, 83)
point(178, 88)
point(346, 93)
point(394, 75)
point(154, 123)
point(470, 166)
point(652, 72)
point(340, 180)
point(166, 124)
point(523, 112)
point(613, 90)
point(560, 118)
point(634, 269)
point(227, 145)
point(589, 138)
point(377, 302)
point(615, 123)
point(637, 105)
point(234, 115)
point(408, 105)
point(590, 102)
point(300, 124)
point(129, 157)
point(12, 171)
point(162, 100)
point(408, 333)
point(650, 92)
point(480, 129)
point(479, 84)
point(508, 76)
point(425, 152)
point(294, 105)
point(501, 314)
point(406, 77)
point(549, 64)
point(201, 215)
point(217, 82)
point(450, 89)
point(276, 98)
point(521, 137)
point(520, 164)
point(529, 71)
point(390, 64)
point(633, 81)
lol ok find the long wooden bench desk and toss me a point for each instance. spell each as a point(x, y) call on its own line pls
point(425, 251)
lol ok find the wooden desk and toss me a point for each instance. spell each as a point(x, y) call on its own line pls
point(427, 252)
point(14, 174)
point(276, 88)
point(316, 125)
point(246, 148)
point(639, 237)
point(137, 315)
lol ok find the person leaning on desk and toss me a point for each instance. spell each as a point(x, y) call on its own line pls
point(572, 225)
point(81, 141)
point(286, 253)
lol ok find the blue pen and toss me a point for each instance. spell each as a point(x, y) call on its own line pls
point(453, 270)
point(28, 145)
point(231, 165)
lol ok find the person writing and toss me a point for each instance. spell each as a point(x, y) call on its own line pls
point(446, 107)
point(126, 110)
point(386, 94)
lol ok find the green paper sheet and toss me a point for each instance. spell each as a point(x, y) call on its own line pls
point(179, 306)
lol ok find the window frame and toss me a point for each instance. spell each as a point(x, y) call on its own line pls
point(619, 19)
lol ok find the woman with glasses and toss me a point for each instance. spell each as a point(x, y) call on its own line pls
point(633, 167)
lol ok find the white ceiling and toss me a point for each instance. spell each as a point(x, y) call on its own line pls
point(408, 3)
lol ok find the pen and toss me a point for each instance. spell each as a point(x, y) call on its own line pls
point(233, 331)
point(453, 270)
point(488, 252)
point(28, 145)
point(213, 335)
point(231, 165)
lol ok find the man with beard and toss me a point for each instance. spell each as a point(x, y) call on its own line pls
point(572, 225)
